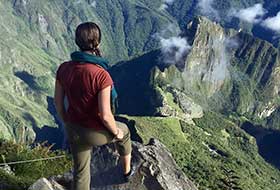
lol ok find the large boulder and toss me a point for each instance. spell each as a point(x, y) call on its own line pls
point(44, 184)
point(155, 169)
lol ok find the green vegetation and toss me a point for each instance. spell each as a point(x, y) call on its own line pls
point(27, 173)
point(213, 152)
point(159, 128)
point(37, 36)
point(251, 80)
point(231, 180)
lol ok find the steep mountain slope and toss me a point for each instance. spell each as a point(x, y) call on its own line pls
point(52, 24)
point(212, 152)
point(228, 80)
point(36, 36)
point(227, 76)
point(229, 71)
point(225, 70)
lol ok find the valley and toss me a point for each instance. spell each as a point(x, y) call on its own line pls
point(205, 85)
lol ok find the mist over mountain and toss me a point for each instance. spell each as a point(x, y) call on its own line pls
point(202, 76)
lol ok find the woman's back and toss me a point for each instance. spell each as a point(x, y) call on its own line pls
point(89, 120)
point(82, 82)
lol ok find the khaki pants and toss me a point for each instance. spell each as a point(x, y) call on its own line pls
point(81, 142)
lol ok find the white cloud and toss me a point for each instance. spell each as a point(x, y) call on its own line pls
point(174, 48)
point(169, 30)
point(93, 4)
point(272, 23)
point(213, 65)
point(221, 61)
point(163, 7)
point(252, 14)
point(165, 4)
point(169, 2)
point(206, 9)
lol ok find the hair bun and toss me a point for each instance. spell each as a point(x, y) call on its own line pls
point(88, 37)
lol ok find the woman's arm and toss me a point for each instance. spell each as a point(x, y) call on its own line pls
point(104, 105)
point(59, 95)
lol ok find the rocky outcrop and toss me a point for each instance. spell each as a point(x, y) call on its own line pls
point(226, 70)
point(155, 170)
point(175, 103)
point(208, 61)
point(44, 184)
point(154, 93)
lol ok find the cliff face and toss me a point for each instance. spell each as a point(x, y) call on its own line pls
point(146, 91)
point(226, 77)
point(206, 67)
point(227, 70)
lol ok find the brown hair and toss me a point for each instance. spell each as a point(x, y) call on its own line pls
point(88, 37)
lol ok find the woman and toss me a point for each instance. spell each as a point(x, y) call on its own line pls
point(88, 120)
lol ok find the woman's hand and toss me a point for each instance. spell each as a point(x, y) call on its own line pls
point(119, 135)
point(105, 113)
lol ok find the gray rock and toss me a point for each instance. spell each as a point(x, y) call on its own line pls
point(159, 169)
point(42, 184)
point(155, 170)
point(182, 107)
point(6, 168)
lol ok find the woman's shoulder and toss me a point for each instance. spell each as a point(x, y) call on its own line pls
point(86, 68)
point(94, 68)
point(63, 65)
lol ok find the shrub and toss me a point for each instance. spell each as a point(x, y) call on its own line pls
point(27, 173)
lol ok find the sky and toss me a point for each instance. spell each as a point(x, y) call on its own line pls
point(255, 14)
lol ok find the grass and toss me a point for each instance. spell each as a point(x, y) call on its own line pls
point(158, 127)
point(208, 149)
point(127, 29)
point(27, 173)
